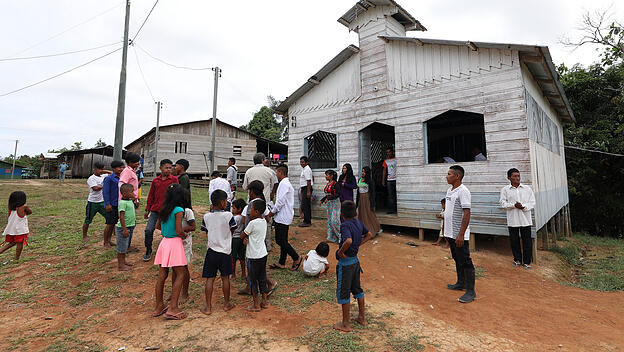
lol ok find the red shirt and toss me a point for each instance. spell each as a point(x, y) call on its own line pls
point(157, 191)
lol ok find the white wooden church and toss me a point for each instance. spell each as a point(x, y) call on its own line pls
point(433, 100)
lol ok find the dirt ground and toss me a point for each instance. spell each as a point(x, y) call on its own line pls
point(516, 309)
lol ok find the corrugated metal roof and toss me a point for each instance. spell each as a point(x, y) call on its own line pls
point(338, 60)
point(402, 16)
point(536, 58)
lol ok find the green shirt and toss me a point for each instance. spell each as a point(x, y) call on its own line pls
point(168, 228)
point(185, 181)
point(127, 206)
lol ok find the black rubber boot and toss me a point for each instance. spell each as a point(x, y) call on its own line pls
point(459, 285)
point(470, 294)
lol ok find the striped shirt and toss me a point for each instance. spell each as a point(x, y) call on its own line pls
point(457, 200)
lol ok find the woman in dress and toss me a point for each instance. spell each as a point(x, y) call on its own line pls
point(332, 199)
point(366, 201)
point(347, 183)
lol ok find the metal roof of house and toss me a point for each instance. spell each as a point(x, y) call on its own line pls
point(10, 164)
point(536, 58)
point(338, 60)
point(105, 150)
point(402, 16)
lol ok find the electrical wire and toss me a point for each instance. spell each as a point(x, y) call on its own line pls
point(145, 20)
point(70, 28)
point(172, 65)
point(58, 54)
point(59, 74)
point(593, 150)
point(136, 56)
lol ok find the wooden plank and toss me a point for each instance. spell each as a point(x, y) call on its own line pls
point(421, 234)
point(534, 249)
point(473, 245)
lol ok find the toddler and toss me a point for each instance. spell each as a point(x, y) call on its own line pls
point(16, 231)
point(315, 262)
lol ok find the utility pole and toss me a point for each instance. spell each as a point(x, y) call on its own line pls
point(156, 136)
point(14, 157)
point(217, 72)
point(121, 100)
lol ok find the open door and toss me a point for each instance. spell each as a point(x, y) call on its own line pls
point(373, 142)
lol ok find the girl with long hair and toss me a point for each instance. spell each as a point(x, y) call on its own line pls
point(366, 201)
point(347, 182)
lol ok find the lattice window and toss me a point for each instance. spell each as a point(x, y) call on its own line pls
point(456, 136)
point(180, 147)
point(321, 150)
point(237, 150)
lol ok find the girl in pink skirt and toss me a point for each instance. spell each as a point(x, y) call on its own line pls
point(170, 253)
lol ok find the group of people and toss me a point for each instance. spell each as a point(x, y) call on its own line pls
point(238, 231)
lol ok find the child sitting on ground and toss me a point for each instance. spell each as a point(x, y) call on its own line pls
point(315, 262)
point(219, 227)
point(16, 231)
point(353, 234)
point(238, 248)
point(125, 225)
point(257, 254)
point(441, 217)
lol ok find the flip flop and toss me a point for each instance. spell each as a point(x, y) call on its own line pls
point(272, 290)
point(295, 267)
point(161, 312)
point(178, 316)
point(275, 266)
point(243, 292)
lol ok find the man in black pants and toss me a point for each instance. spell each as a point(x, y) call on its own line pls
point(456, 229)
point(518, 200)
point(305, 184)
point(282, 214)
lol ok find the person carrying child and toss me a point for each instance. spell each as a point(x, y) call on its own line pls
point(110, 192)
point(125, 226)
point(95, 202)
point(170, 253)
point(220, 225)
point(441, 235)
point(457, 230)
point(238, 248)
point(315, 262)
point(353, 234)
point(332, 199)
point(257, 254)
point(282, 214)
point(155, 199)
point(16, 231)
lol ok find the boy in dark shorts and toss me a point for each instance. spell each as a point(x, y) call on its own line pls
point(353, 234)
point(110, 191)
point(95, 202)
point(219, 227)
point(238, 248)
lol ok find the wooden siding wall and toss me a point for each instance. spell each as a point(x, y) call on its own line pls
point(497, 92)
point(81, 165)
point(548, 169)
point(341, 86)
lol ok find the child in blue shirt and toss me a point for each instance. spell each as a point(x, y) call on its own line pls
point(352, 235)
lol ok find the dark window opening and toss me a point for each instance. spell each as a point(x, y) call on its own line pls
point(237, 150)
point(320, 147)
point(456, 136)
point(180, 147)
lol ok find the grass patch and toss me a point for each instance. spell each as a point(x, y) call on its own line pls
point(410, 343)
point(324, 340)
point(480, 272)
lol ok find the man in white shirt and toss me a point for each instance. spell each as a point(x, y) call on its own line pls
point(282, 214)
point(457, 230)
point(219, 182)
point(389, 179)
point(305, 185)
point(261, 173)
point(267, 162)
point(232, 174)
point(518, 200)
point(476, 151)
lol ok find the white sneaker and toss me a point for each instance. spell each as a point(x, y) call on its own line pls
point(515, 263)
point(527, 267)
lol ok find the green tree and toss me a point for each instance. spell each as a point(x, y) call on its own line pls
point(267, 124)
point(100, 143)
point(28, 161)
point(597, 28)
point(75, 146)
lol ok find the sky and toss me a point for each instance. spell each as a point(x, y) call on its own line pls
point(263, 47)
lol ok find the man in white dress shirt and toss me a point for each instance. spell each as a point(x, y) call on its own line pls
point(518, 200)
point(219, 182)
point(282, 214)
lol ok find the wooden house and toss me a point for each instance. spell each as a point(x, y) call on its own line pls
point(6, 170)
point(432, 100)
point(192, 141)
point(49, 166)
point(81, 161)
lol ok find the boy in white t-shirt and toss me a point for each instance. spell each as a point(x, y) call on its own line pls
point(95, 202)
point(219, 227)
point(457, 230)
point(315, 262)
point(256, 253)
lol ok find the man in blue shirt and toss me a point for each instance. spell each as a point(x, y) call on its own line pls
point(61, 171)
point(110, 191)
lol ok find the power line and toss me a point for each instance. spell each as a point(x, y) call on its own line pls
point(593, 150)
point(70, 28)
point(172, 65)
point(145, 20)
point(59, 74)
point(58, 54)
point(136, 56)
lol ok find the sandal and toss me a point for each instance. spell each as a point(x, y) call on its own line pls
point(272, 290)
point(275, 266)
point(295, 267)
point(178, 316)
point(161, 312)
